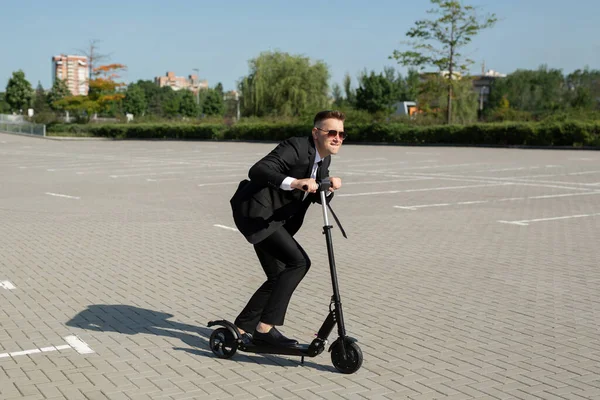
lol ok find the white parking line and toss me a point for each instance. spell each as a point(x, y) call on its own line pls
point(225, 227)
point(518, 168)
point(62, 195)
point(7, 285)
point(584, 173)
point(78, 345)
point(241, 176)
point(550, 196)
point(489, 179)
point(217, 183)
point(526, 222)
point(387, 181)
point(388, 171)
point(148, 173)
point(361, 160)
point(422, 190)
point(74, 343)
point(414, 208)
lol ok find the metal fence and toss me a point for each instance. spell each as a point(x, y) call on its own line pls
point(12, 119)
point(17, 124)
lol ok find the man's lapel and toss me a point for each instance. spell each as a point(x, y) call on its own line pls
point(312, 153)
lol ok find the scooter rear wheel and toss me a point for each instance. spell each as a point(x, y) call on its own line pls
point(223, 343)
point(353, 361)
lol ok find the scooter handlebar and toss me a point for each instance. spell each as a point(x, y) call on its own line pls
point(323, 185)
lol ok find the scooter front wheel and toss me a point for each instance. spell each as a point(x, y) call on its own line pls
point(223, 343)
point(353, 361)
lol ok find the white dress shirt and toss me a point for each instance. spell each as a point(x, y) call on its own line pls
point(287, 182)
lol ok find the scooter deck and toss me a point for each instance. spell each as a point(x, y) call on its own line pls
point(298, 350)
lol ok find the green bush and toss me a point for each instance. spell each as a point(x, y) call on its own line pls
point(568, 133)
point(262, 131)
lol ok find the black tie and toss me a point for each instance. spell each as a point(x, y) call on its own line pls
point(318, 174)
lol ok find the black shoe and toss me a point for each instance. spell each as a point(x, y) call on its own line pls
point(246, 338)
point(273, 338)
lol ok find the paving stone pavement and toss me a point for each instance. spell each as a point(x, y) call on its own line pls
point(468, 273)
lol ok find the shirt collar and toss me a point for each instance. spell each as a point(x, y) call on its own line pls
point(317, 157)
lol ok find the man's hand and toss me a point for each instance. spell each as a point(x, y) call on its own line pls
point(311, 185)
point(336, 183)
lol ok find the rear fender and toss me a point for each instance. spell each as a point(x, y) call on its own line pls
point(226, 324)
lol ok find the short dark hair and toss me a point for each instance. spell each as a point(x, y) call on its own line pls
point(327, 114)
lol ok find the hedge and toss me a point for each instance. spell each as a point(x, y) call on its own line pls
point(569, 134)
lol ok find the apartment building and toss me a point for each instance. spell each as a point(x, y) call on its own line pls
point(190, 82)
point(74, 70)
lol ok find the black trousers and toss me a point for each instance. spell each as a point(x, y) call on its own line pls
point(285, 263)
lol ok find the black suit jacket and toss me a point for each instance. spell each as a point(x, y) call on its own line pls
point(260, 206)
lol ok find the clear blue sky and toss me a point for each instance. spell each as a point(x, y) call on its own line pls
point(219, 37)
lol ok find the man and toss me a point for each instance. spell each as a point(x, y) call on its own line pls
point(269, 209)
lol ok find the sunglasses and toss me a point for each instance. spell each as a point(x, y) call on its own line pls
point(333, 133)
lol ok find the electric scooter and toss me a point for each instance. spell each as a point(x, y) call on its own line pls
point(346, 355)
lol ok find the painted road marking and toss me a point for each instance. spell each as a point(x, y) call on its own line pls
point(78, 345)
point(518, 168)
point(361, 160)
point(387, 181)
point(519, 181)
point(195, 177)
point(62, 195)
point(7, 285)
point(550, 196)
point(225, 227)
point(74, 343)
point(526, 222)
point(423, 190)
point(148, 173)
point(388, 171)
point(217, 183)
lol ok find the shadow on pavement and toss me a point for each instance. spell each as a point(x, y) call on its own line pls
point(130, 320)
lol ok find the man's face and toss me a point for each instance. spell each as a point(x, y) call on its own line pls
point(326, 144)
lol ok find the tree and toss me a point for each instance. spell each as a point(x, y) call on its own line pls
point(454, 29)
point(187, 104)
point(336, 93)
point(536, 91)
point(213, 103)
point(102, 94)
point(432, 97)
point(584, 88)
point(350, 94)
point(284, 85)
point(19, 93)
point(4, 107)
point(81, 106)
point(376, 93)
point(58, 91)
point(135, 101)
point(409, 86)
point(219, 88)
point(42, 112)
point(103, 88)
point(94, 58)
point(153, 94)
point(40, 100)
point(169, 101)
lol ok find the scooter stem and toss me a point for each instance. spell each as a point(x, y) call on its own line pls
point(339, 316)
point(324, 202)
